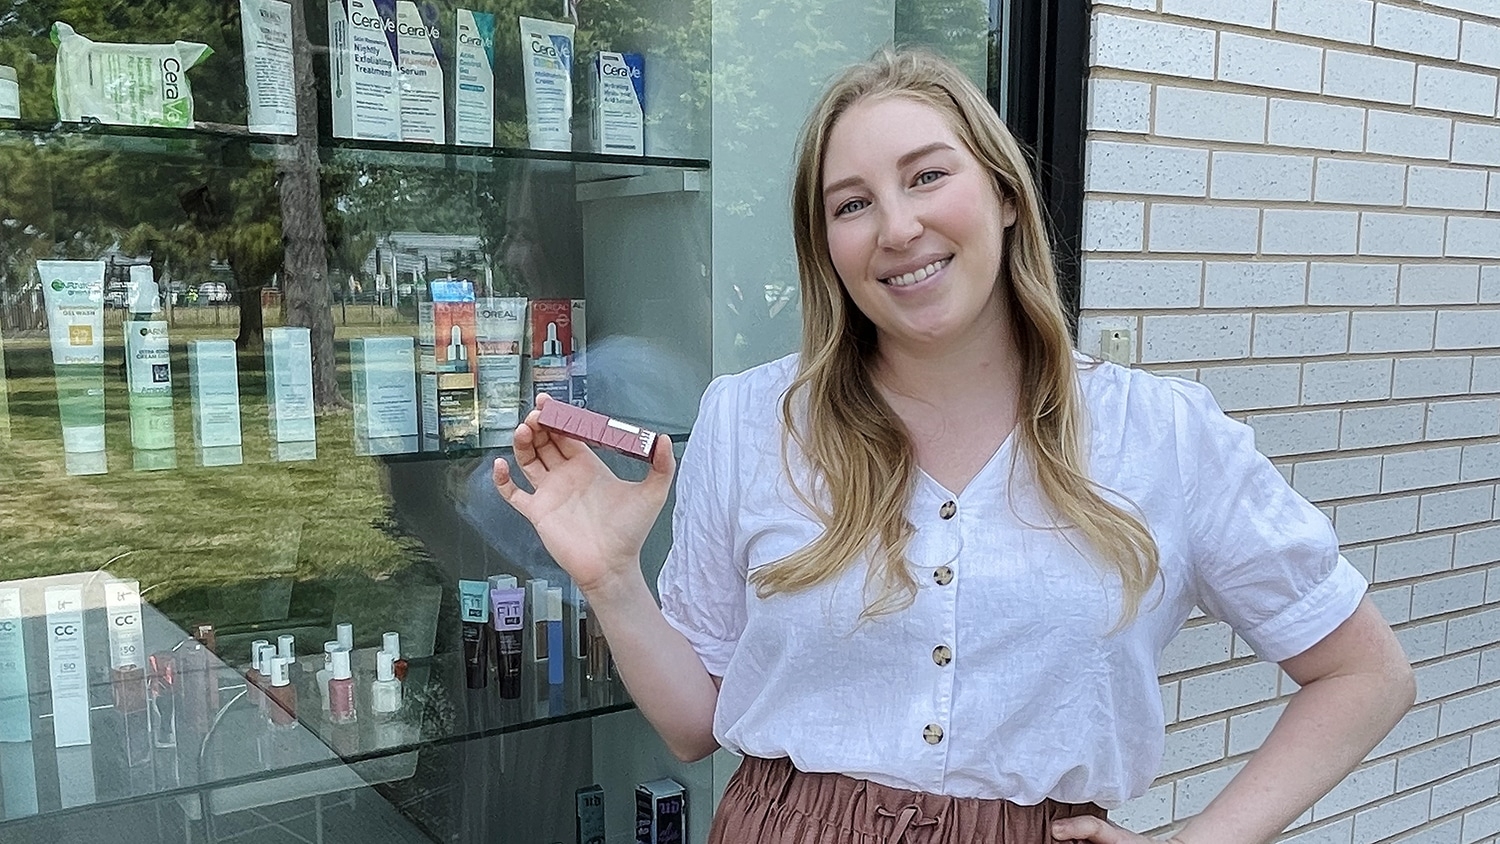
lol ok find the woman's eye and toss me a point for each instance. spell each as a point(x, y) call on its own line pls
point(927, 177)
point(849, 207)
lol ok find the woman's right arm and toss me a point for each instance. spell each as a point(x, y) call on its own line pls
point(594, 525)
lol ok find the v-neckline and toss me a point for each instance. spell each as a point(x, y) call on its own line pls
point(947, 494)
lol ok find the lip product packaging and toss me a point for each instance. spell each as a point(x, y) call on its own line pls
point(508, 601)
point(547, 70)
point(500, 326)
point(590, 814)
point(619, 98)
point(289, 394)
point(660, 812)
point(74, 295)
point(68, 665)
point(10, 94)
point(550, 329)
point(384, 376)
point(474, 87)
point(15, 700)
point(266, 29)
point(124, 84)
point(362, 69)
point(555, 640)
point(214, 384)
point(385, 690)
point(419, 68)
point(341, 690)
point(148, 371)
point(474, 612)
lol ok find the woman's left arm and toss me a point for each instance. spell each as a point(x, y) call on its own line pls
point(1355, 686)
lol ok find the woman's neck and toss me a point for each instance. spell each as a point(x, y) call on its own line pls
point(986, 365)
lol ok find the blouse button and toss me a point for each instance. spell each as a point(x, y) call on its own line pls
point(943, 575)
point(942, 654)
point(948, 510)
point(932, 734)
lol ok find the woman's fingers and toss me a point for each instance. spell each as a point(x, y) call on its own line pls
point(663, 465)
point(506, 486)
point(525, 449)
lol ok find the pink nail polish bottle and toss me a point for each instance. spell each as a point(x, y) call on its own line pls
point(341, 690)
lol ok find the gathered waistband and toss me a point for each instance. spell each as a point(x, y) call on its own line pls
point(769, 801)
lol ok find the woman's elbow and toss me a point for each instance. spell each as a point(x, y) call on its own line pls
point(694, 749)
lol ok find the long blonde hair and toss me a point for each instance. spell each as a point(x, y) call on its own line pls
point(857, 448)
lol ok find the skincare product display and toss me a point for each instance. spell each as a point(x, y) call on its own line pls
point(618, 83)
point(500, 327)
point(474, 80)
point(148, 369)
point(10, 94)
point(420, 71)
point(214, 386)
point(474, 613)
point(589, 803)
point(74, 295)
point(547, 73)
point(67, 662)
point(447, 333)
point(550, 333)
point(127, 638)
point(362, 69)
point(660, 812)
point(128, 84)
point(289, 393)
point(15, 698)
point(270, 80)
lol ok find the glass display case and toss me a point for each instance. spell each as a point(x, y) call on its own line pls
point(275, 281)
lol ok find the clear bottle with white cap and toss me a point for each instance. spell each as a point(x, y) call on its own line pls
point(391, 643)
point(385, 691)
point(326, 672)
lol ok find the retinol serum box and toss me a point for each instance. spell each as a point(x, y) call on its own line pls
point(660, 812)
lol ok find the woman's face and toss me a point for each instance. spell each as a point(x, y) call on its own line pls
point(915, 225)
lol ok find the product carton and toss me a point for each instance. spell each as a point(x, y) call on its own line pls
point(619, 95)
point(362, 69)
point(660, 812)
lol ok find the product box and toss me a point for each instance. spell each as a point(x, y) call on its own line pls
point(384, 378)
point(127, 632)
point(500, 327)
point(450, 414)
point(474, 83)
point(289, 390)
point(362, 69)
point(448, 333)
point(660, 812)
point(619, 96)
point(419, 66)
point(215, 387)
point(270, 81)
point(590, 803)
point(68, 666)
point(15, 700)
point(550, 332)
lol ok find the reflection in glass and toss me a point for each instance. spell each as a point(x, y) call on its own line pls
point(4, 395)
point(15, 705)
point(148, 375)
point(74, 293)
point(289, 393)
point(75, 775)
point(385, 395)
point(18, 773)
point(67, 665)
point(215, 379)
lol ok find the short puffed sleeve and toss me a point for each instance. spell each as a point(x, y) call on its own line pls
point(702, 585)
point(1264, 559)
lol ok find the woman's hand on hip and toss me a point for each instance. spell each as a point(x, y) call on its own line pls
point(592, 522)
point(1097, 831)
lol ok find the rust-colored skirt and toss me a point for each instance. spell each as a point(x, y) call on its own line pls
point(770, 802)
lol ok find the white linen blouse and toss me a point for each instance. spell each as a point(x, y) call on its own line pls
point(1000, 680)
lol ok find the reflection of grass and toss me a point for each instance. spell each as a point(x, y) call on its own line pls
point(183, 529)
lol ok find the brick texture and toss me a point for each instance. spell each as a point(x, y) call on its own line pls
point(1297, 203)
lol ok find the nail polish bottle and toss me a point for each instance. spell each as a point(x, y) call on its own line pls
point(281, 695)
point(341, 690)
point(391, 644)
point(326, 672)
point(385, 691)
point(286, 646)
point(255, 676)
point(345, 634)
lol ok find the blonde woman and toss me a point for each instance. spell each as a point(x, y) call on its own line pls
point(923, 571)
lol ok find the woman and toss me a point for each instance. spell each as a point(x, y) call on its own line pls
point(922, 572)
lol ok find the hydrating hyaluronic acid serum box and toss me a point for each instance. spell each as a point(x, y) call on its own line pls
point(619, 90)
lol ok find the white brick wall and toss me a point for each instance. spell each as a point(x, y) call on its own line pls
point(1297, 202)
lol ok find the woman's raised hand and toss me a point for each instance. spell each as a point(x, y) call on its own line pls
point(592, 523)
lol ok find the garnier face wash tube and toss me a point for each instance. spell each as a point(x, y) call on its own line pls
point(474, 89)
point(74, 295)
point(547, 70)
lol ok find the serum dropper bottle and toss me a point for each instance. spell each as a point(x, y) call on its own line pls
point(341, 690)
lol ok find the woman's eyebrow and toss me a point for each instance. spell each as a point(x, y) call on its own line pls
point(905, 160)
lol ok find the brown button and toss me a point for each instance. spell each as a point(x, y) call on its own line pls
point(942, 654)
point(943, 575)
point(932, 734)
point(948, 510)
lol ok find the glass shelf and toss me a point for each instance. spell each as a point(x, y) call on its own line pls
point(222, 139)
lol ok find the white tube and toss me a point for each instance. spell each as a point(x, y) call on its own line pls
point(547, 68)
point(474, 86)
point(74, 295)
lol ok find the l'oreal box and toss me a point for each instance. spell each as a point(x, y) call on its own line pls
point(500, 326)
point(450, 415)
point(550, 330)
point(362, 69)
point(619, 94)
point(450, 346)
point(660, 812)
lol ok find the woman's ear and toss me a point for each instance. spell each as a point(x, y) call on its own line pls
point(1008, 212)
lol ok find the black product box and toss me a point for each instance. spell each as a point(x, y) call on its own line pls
point(590, 815)
point(660, 812)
